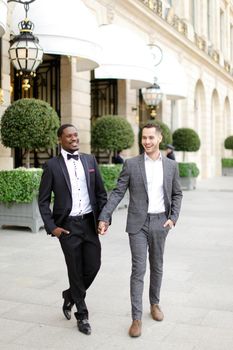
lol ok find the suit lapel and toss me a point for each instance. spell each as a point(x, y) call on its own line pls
point(143, 170)
point(85, 167)
point(167, 174)
point(65, 171)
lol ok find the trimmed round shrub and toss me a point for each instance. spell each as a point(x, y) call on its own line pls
point(111, 133)
point(29, 123)
point(186, 139)
point(167, 135)
point(228, 143)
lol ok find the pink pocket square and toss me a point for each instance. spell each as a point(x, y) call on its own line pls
point(91, 170)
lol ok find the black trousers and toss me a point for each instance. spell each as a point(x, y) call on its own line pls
point(82, 251)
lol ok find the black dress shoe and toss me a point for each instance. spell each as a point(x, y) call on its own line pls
point(67, 306)
point(84, 326)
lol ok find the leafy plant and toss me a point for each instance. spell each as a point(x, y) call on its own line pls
point(227, 162)
point(110, 174)
point(228, 143)
point(167, 135)
point(111, 133)
point(188, 170)
point(20, 185)
point(186, 140)
point(29, 123)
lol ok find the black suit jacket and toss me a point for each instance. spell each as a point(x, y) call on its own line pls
point(55, 179)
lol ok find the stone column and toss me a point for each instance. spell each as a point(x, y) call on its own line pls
point(76, 100)
point(127, 104)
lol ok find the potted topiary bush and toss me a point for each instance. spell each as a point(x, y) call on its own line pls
point(111, 133)
point(18, 198)
point(187, 140)
point(227, 163)
point(29, 124)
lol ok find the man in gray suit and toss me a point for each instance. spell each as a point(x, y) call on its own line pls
point(154, 206)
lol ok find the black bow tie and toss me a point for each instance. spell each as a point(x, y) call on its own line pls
point(74, 156)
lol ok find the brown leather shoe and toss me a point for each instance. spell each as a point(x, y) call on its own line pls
point(135, 329)
point(156, 312)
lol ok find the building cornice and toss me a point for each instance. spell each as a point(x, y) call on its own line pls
point(153, 24)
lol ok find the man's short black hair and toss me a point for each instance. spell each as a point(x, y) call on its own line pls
point(151, 125)
point(63, 127)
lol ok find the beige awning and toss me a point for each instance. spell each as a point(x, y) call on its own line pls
point(125, 55)
point(64, 28)
point(171, 76)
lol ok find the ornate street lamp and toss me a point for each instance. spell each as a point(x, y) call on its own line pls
point(152, 95)
point(25, 52)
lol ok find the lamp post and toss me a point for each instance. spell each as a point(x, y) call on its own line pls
point(152, 95)
point(25, 52)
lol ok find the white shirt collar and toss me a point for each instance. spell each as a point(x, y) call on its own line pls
point(146, 157)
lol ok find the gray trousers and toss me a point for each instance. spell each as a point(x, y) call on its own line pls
point(151, 237)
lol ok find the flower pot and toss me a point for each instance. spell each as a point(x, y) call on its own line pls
point(21, 214)
point(188, 183)
point(227, 171)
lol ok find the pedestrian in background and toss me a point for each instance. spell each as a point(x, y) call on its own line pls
point(117, 159)
point(170, 152)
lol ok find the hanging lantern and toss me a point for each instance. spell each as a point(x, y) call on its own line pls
point(25, 52)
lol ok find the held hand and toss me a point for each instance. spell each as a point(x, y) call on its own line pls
point(102, 227)
point(58, 231)
point(169, 223)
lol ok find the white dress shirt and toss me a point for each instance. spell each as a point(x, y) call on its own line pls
point(80, 197)
point(154, 175)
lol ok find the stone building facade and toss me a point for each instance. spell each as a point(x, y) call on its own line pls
point(196, 71)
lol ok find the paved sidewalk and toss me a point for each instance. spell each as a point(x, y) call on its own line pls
point(197, 291)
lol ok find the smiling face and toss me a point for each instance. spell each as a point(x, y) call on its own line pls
point(151, 139)
point(69, 139)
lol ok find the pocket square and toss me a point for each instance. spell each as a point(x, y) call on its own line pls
point(91, 170)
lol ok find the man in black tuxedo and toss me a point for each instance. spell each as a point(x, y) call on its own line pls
point(79, 197)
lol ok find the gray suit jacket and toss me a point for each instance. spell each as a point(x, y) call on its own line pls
point(133, 178)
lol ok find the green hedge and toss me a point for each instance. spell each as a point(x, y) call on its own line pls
point(19, 185)
point(227, 162)
point(110, 174)
point(188, 169)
